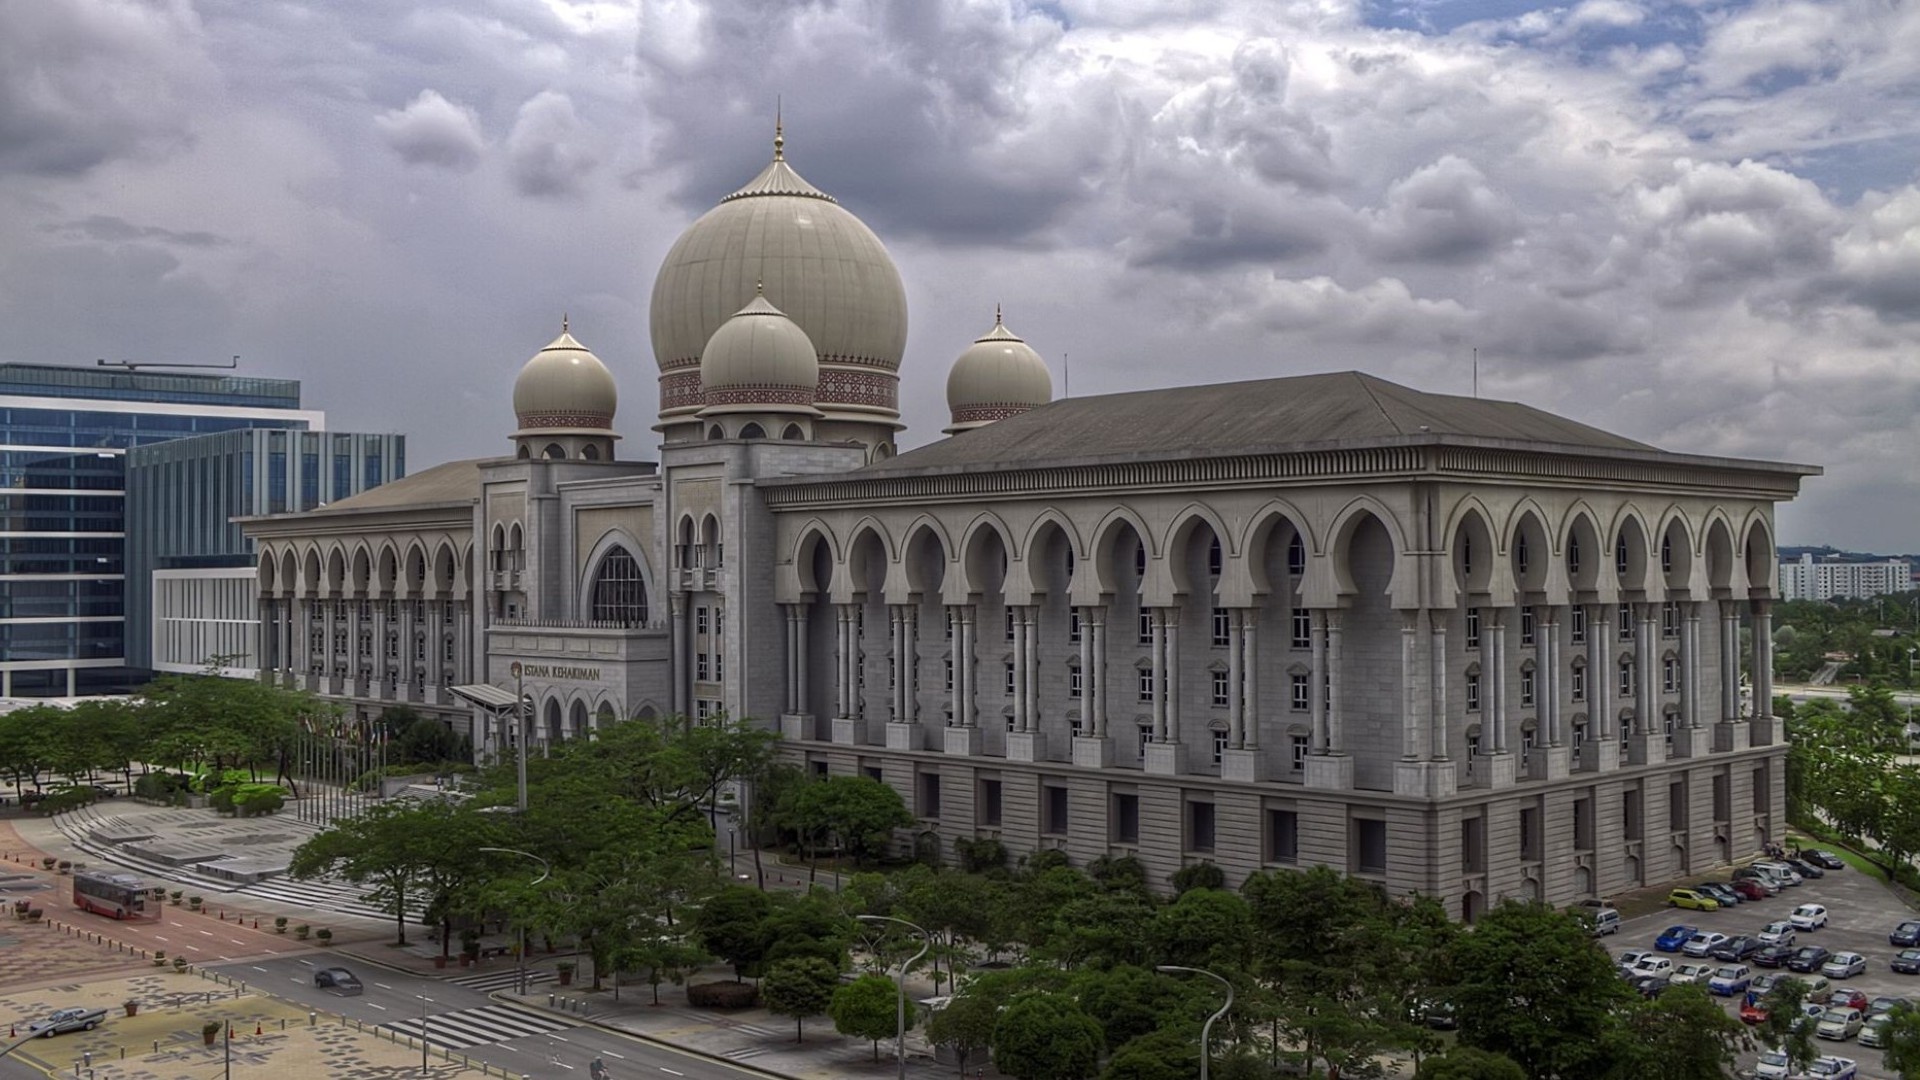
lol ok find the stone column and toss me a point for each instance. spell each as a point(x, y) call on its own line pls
point(1494, 633)
point(1236, 689)
point(1022, 705)
point(1096, 677)
point(963, 735)
point(910, 663)
point(903, 733)
point(1031, 653)
point(1411, 733)
point(380, 666)
point(1250, 645)
point(1552, 676)
point(678, 640)
point(1729, 661)
point(1690, 665)
point(1025, 742)
point(1336, 733)
point(1089, 726)
point(1438, 747)
point(1157, 656)
point(1763, 668)
point(1317, 679)
point(1164, 751)
point(1601, 673)
point(1169, 687)
point(1240, 761)
point(847, 718)
point(409, 620)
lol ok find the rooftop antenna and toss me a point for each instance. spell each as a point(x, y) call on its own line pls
point(136, 365)
point(1476, 372)
point(1066, 361)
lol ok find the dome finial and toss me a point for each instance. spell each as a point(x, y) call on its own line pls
point(779, 135)
point(563, 322)
point(996, 313)
point(759, 287)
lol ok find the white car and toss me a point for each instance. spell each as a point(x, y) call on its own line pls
point(1692, 973)
point(1703, 943)
point(1830, 1068)
point(1839, 1024)
point(1777, 933)
point(1773, 1065)
point(1658, 966)
point(1844, 965)
point(1808, 917)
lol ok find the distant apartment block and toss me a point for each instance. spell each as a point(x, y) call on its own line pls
point(1829, 579)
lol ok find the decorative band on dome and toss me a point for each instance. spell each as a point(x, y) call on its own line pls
point(859, 388)
point(680, 389)
point(759, 395)
point(987, 414)
point(564, 420)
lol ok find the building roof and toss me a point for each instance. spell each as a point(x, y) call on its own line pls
point(453, 482)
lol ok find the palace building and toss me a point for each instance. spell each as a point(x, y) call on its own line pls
point(1463, 647)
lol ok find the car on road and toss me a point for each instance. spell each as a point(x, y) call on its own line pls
point(1730, 979)
point(1692, 973)
point(1907, 962)
point(1674, 938)
point(64, 1020)
point(1749, 889)
point(1783, 873)
point(1830, 1068)
point(1874, 1031)
point(1838, 1023)
point(1808, 917)
point(1778, 932)
point(339, 980)
point(1772, 956)
point(1843, 965)
point(1906, 935)
point(1753, 1008)
point(1692, 900)
point(1703, 943)
point(1825, 860)
point(1807, 959)
point(1736, 949)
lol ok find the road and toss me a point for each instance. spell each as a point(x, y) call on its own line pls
point(468, 1022)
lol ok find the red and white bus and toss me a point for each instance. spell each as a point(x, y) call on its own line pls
point(117, 896)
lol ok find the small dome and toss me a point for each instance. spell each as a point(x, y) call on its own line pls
point(565, 389)
point(759, 361)
point(998, 376)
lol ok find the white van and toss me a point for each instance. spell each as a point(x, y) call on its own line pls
point(1603, 921)
point(1782, 874)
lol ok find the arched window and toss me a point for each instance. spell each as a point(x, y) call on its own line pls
point(590, 452)
point(1573, 554)
point(715, 433)
point(1520, 553)
point(1215, 557)
point(554, 452)
point(752, 431)
point(526, 452)
point(793, 433)
point(619, 595)
point(1296, 556)
point(1620, 559)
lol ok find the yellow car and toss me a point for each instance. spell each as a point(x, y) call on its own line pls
point(1692, 898)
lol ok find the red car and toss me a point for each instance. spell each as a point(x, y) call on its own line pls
point(1846, 997)
point(1749, 889)
point(1752, 1011)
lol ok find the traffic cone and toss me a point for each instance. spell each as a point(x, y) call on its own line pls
point(256, 1027)
point(223, 914)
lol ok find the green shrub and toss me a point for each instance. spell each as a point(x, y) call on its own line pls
point(252, 799)
point(722, 995)
point(222, 798)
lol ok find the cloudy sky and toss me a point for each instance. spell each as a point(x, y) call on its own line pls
point(1696, 223)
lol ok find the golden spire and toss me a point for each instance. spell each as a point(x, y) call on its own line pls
point(779, 137)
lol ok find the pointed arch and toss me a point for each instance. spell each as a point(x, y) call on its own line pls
point(289, 572)
point(336, 571)
point(628, 589)
point(266, 573)
point(1630, 545)
point(387, 569)
point(870, 558)
point(927, 553)
point(1185, 524)
point(976, 545)
point(360, 577)
point(1529, 548)
point(812, 537)
point(1718, 550)
point(1761, 561)
point(1105, 579)
point(1472, 546)
point(1260, 530)
point(1336, 576)
point(1052, 516)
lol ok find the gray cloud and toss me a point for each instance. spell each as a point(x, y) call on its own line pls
point(1445, 213)
point(433, 131)
point(111, 229)
point(549, 150)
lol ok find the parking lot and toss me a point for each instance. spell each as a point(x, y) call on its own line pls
point(1861, 912)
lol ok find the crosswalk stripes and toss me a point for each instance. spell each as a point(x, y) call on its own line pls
point(741, 1053)
point(501, 980)
point(472, 1027)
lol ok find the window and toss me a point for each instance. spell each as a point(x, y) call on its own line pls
point(1219, 744)
point(703, 671)
point(947, 670)
point(1009, 721)
point(1297, 747)
point(1670, 675)
point(1527, 736)
point(874, 773)
point(1526, 626)
point(1073, 723)
point(1521, 554)
point(1667, 730)
point(1579, 630)
point(717, 675)
point(1573, 555)
point(1526, 688)
point(1140, 561)
point(1620, 560)
point(1530, 833)
point(366, 643)
point(700, 620)
point(1466, 556)
point(1369, 847)
point(1626, 622)
point(1473, 693)
point(1677, 806)
point(1283, 836)
point(446, 651)
point(1626, 679)
point(1219, 689)
point(1473, 628)
point(1200, 826)
point(927, 795)
point(1146, 736)
point(1146, 684)
point(1222, 627)
point(1579, 738)
point(1473, 845)
point(1146, 626)
point(1076, 682)
point(949, 624)
point(1009, 624)
point(702, 709)
point(1126, 818)
point(1073, 627)
point(1300, 692)
point(1009, 668)
point(1214, 557)
point(1296, 556)
point(1302, 628)
point(1666, 554)
point(1473, 749)
point(618, 593)
point(987, 807)
point(1053, 818)
point(1577, 684)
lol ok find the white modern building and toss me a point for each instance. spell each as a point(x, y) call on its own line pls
point(1809, 578)
point(1458, 646)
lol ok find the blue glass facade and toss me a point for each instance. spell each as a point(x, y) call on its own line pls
point(65, 434)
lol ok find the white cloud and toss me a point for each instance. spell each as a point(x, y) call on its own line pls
point(433, 131)
point(549, 150)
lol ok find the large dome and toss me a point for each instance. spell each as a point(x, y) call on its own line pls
point(565, 389)
point(998, 376)
point(819, 264)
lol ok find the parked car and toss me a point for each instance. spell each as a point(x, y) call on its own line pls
point(1761, 878)
point(1764, 982)
point(1819, 990)
point(1749, 889)
point(1808, 917)
point(1785, 874)
point(1844, 965)
point(1692, 900)
point(1753, 1008)
point(1730, 979)
point(339, 980)
point(1691, 973)
point(1806, 869)
point(1772, 956)
point(1657, 966)
point(1627, 959)
point(1906, 935)
point(1839, 1023)
point(1600, 921)
point(1808, 958)
point(1874, 1031)
point(64, 1020)
point(1674, 938)
point(1883, 1005)
point(1846, 997)
point(1438, 1015)
point(1650, 986)
point(1779, 932)
point(1736, 949)
point(1825, 860)
point(1907, 962)
point(1703, 943)
point(1830, 1068)
point(1720, 891)
point(1773, 1065)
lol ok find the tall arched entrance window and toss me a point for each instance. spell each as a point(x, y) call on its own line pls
point(619, 594)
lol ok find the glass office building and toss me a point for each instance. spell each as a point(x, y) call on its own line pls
point(65, 434)
point(189, 571)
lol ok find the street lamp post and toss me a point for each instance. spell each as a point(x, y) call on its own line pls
point(900, 1005)
point(424, 1002)
point(520, 733)
point(1206, 1030)
point(520, 976)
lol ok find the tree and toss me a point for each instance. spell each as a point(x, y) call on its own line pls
point(730, 925)
point(1205, 928)
point(1467, 1063)
point(867, 1008)
point(1681, 1035)
point(1165, 1054)
point(855, 814)
point(965, 1023)
point(799, 987)
point(1132, 1002)
point(1045, 1036)
point(1533, 985)
point(381, 846)
point(1784, 1026)
point(421, 739)
point(1902, 1052)
point(661, 957)
point(1201, 875)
